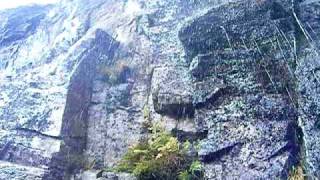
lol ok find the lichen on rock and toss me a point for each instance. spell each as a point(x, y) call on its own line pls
point(81, 80)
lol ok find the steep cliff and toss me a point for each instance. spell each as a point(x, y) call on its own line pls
point(80, 80)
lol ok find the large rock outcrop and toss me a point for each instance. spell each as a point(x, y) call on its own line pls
point(80, 80)
point(308, 74)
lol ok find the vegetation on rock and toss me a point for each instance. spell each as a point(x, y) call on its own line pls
point(296, 174)
point(160, 157)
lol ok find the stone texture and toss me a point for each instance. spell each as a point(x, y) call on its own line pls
point(172, 91)
point(19, 172)
point(251, 115)
point(308, 79)
point(79, 80)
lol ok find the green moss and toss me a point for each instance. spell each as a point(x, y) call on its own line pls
point(184, 175)
point(194, 172)
point(197, 145)
point(186, 146)
point(195, 167)
point(160, 157)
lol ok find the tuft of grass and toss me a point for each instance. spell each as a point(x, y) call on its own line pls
point(160, 157)
point(184, 175)
point(296, 173)
point(195, 172)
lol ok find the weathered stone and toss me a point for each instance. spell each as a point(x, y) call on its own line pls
point(234, 26)
point(308, 76)
point(249, 116)
point(117, 176)
point(219, 72)
point(18, 172)
point(171, 91)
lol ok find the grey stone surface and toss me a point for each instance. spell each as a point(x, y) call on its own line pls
point(308, 84)
point(250, 116)
point(77, 78)
point(18, 172)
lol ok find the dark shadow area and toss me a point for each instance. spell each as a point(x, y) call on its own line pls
point(70, 159)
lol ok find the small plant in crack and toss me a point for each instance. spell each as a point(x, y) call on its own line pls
point(160, 156)
point(296, 173)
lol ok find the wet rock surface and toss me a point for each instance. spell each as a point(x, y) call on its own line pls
point(80, 80)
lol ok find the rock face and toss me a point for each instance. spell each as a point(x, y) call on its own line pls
point(250, 121)
point(308, 73)
point(80, 79)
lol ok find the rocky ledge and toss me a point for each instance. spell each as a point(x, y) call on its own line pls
point(80, 79)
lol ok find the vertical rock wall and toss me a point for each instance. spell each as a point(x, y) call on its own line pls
point(308, 79)
point(78, 79)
